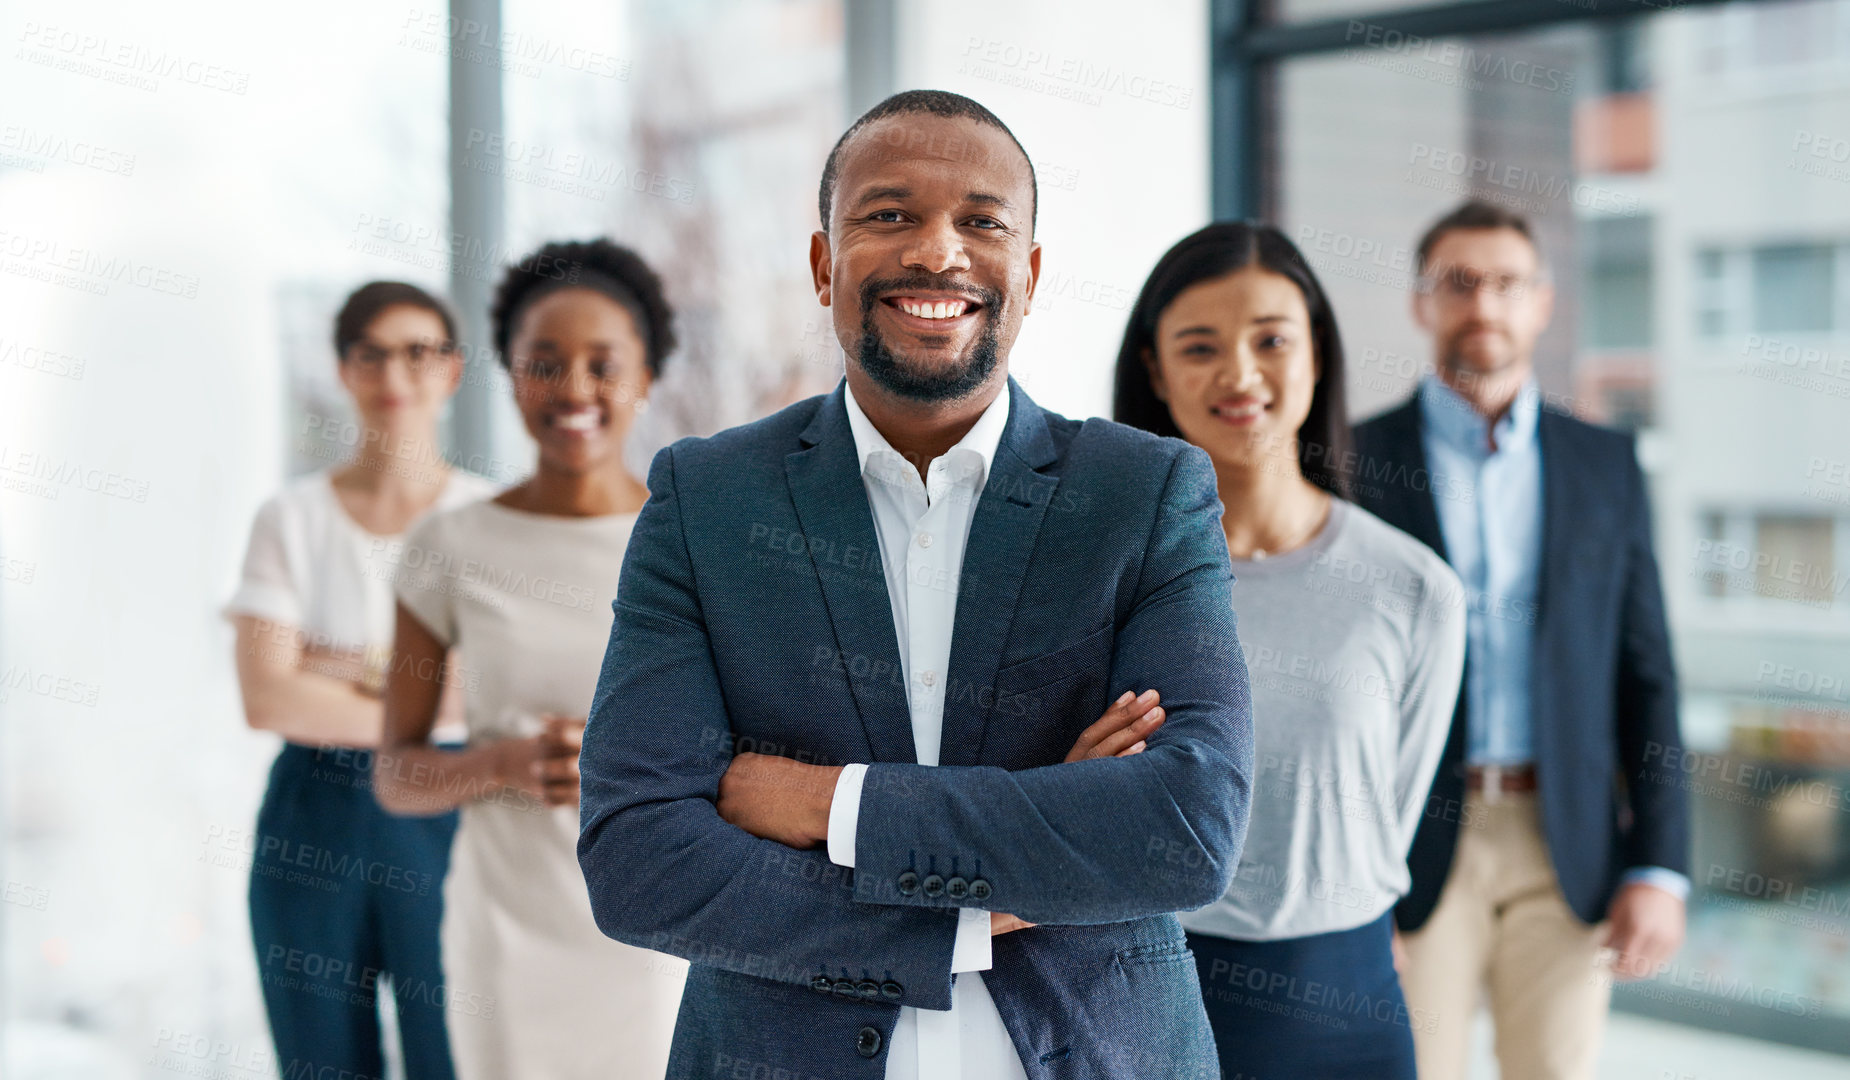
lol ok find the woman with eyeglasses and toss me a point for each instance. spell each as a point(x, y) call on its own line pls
point(344, 897)
point(1354, 641)
point(523, 585)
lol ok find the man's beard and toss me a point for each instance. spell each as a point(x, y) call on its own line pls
point(1481, 362)
point(901, 379)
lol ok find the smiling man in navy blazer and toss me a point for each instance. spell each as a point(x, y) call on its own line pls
point(1557, 827)
point(832, 756)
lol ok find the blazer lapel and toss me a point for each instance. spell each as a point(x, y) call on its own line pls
point(1419, 514)
point(831, 502)
point(1002, 538)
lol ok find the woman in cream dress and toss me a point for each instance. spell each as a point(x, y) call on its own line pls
point(523, 584)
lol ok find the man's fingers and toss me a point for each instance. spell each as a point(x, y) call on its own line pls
point(1001, 922)
point(1103, 726)
point(1134, 732)
point(1123, 712)
point(559, 769)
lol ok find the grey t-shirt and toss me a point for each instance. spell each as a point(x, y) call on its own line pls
point(1355, 643)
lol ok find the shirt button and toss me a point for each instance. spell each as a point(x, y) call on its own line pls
point(934, 886)
point(924, 540)
point(957, 888)
point(930, 678)
point(868, 1044)
point(891, 990)
point(979, 889)
point(908, 884)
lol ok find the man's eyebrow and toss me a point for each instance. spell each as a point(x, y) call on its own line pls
point(987, 199)
point(880, 194)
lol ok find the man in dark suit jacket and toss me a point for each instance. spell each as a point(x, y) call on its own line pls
point(783, 675)
point(1556, 826)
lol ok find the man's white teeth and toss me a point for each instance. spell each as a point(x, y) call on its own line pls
point(942, 309)
point(582, 420)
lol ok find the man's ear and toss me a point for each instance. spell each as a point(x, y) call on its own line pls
point(1034, 276)
point(819, 257)
point(1421, 306)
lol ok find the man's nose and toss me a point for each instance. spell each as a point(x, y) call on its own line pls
point(936, 247)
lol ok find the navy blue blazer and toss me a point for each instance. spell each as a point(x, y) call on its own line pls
point(752, 614)
point(1604, 695)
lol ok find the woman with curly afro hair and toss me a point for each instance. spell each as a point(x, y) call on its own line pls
point(522, 585)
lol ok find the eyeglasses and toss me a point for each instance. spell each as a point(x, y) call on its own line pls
point(418, 355)
point(1462, 284)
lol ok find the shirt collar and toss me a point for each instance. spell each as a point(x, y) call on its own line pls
point(982, 439)
point(1455, 421)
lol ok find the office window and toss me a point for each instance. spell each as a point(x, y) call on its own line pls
point(1770, 560)
point(1714, 309)
point(1805, 32)
point(1620, 292)
point(1794, 287)
point(1793, 558)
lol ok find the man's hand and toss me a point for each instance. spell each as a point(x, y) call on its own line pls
point(775, 798)
point(1002, 923)
point(1646, 929)
point(1122, 730)
point(557, 768)
point(1119, 733)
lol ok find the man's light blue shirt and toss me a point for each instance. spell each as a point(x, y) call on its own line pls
point(1493, 539)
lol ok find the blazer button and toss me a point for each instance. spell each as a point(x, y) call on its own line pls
point(908, 884)
point(869, 1043)
point(957, 888)
point(845, 988)
point(934, 886)
point(822, 984)
point(979, 889)
point(868, 989)
point(891, 990)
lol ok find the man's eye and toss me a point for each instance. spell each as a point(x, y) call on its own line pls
point(986, 223)
point(884, 215)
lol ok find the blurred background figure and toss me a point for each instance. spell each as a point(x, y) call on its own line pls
point(1234, 346)
point(345, 899)
point(525, 583)
point(1573, 837)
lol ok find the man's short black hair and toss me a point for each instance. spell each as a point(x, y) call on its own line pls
point(936, 103)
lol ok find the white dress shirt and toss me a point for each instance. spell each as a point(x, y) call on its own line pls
point(922, 529)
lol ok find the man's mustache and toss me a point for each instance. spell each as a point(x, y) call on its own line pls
point(871, 289)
